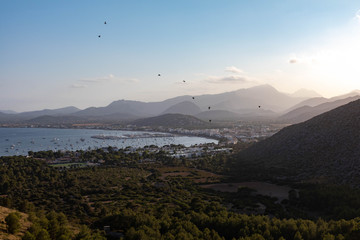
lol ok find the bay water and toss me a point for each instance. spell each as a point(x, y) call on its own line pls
point(19, 141)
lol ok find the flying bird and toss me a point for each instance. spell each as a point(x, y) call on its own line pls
point(183, 80)
point(99, 36)
point(259, 106)
point(193, 97)
point(209, 108)
point(210, 120)
point(105, 22)
point(159, 74)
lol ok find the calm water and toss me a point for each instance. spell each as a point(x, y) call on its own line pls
point(18, 141)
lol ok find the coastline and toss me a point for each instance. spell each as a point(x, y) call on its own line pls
point(112, 128)
point(18, 141)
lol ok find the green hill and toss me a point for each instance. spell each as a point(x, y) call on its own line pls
point(325, 148)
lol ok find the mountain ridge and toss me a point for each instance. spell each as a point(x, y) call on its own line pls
point(304, 113)
point(262, 102)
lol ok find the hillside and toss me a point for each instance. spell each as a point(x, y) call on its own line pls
point(324, 148)
point(24, 222)
point(186, 108)
point(50, 112)
point(170, 120)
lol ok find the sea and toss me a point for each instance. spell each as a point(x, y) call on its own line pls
point(19, 141)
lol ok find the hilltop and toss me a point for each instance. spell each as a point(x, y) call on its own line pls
point(322, 149)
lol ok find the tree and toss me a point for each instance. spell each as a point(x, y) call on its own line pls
point(13, 222)
point(298, 236)
point(328, 236)
point(43, 235)
point(28, 236)
point(86, 234)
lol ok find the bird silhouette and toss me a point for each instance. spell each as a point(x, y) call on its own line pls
point(210, 120)
point(159, 74)
point(105, 22)
point(183, 80)
point(193, 97)
point(209, 108)
point(259, 106)
point(99, 36)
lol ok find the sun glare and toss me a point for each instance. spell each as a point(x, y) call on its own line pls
point(334, 66)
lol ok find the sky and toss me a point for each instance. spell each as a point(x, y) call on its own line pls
point(51, 55)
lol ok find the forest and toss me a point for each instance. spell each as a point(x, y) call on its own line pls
point(127, 197)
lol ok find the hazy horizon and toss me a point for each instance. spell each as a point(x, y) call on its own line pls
point(51, 55)
point(82, 108)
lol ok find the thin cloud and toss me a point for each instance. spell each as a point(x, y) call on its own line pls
point(76, 85)
point(100, 79)
point(233, 69)
point(109, 78)
point(228, 79)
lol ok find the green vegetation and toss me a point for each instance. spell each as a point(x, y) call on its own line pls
point(13, 222)
point(148, 195)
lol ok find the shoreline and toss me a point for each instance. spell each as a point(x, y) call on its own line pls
point(21, 142)
point(124, 129)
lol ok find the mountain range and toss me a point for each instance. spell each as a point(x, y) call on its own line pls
point(237, 101)
point(257, 103)
point(325, 148)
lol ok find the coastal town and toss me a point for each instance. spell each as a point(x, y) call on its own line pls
point(246, 132)
point(229, 138)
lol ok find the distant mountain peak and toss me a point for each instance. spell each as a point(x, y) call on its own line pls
point(305, 93)
point(267, 87)
point(8, 112)
point(356, 91)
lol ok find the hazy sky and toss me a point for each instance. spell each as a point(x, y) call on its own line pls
point(51, 55)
